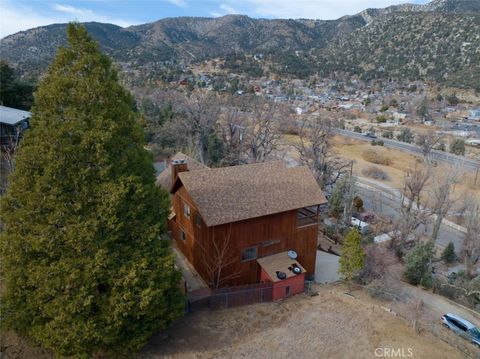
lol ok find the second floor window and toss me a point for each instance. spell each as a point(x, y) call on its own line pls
point(186, 210)
point(249, 254)
point(198, 221)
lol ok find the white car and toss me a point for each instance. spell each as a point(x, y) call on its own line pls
point(462, 327)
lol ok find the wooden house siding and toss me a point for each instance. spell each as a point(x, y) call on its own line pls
point(269, 234)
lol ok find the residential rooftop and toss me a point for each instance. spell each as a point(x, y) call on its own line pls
point(12, 116)
point(232, 194)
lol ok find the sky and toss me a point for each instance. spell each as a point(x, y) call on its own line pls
point(18, 15)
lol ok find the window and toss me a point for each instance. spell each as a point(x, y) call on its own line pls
point(249, 254)
point(198, 221)
point(183, 236)
point(186, 210)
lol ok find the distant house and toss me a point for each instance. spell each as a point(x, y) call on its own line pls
point(12, 123)
point(473, 142)
point(237, 217)
point(474, 114)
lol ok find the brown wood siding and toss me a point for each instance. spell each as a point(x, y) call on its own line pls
point(196, 236)
point(270, 234)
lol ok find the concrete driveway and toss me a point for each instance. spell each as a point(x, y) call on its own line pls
point(326, 268)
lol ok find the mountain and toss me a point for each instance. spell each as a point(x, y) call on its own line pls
point(403, 41)
point(443, 47)
point(183, 38)
point(444, 6)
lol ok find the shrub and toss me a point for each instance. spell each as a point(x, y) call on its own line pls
point(375, 172)
point(378, 260)
point(448, 254)
point(387, 134)
point(358, 203)
point(377, 143)
point(377, 158)
point(357, 129)
point(418, 268)
point(441, 147)
point(381, 119)
point(351, 261)
point(457, 147)
point(406, 135)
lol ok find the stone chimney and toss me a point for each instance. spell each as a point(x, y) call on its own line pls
point(178, 166)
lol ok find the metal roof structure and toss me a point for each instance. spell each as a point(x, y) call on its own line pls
point(12, 116)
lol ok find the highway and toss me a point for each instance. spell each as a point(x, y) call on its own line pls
point(468, 164)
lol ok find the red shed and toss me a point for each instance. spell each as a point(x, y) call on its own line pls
point(286, 274)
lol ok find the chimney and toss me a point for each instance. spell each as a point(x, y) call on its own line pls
point(177, 167)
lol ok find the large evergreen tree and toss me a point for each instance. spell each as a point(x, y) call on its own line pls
point(83, 263)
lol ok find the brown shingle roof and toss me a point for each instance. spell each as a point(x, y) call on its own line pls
point(231, 194)
point(164, 179)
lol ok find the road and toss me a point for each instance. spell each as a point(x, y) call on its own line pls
point(467, 164)
point(375, 200)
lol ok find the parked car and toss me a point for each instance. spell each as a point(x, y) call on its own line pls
point(462, 327)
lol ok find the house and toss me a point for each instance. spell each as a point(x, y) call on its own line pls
point(474, 114)
point(12, 123)
point(228, 221)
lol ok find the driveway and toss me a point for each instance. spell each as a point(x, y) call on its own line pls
point(326, 268)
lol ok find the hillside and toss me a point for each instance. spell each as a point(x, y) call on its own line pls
point(174, 39)
point(440, 47)
point(436, 41)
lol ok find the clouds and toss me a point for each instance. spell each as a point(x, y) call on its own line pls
point(225, 9)
point(179, 3)
point(17, 17)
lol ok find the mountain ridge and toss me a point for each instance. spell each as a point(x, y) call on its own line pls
point(192, 39)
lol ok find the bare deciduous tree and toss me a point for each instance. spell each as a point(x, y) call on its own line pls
point(219, 259)
point(8, 150)
point(232, 132)
point(262, 129)
point(472, 237)
point(427, 142)
point(411, 212)
point(196, 118)
point(377, 263)
point(416, 310)
point(315, 150)
point(414, 184)
point(442, 201)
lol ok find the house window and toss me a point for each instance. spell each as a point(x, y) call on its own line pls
point(186, 210)
point(198, 221)
point(183, 236)
point(249, 254)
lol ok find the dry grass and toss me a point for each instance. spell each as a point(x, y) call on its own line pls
point(376, 157)
point(375, 173)
point(330, 325)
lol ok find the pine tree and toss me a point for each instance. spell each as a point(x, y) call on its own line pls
point(448, 254)
point(353, 255)
point(83, 263)
point(418, 265)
